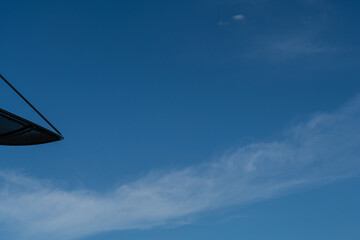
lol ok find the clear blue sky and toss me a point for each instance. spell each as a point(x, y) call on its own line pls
point(200, 119)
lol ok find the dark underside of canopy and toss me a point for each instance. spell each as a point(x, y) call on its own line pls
point(17, 131)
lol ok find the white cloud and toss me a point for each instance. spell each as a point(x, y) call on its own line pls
point(321, 150)
point(238, 17)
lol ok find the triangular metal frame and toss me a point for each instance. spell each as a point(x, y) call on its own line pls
point(25, 123)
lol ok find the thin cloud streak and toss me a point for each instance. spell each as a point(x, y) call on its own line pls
point(238, 17)
point(299, 46)
point(290, 47)
point(315, 152)
point(235, 18)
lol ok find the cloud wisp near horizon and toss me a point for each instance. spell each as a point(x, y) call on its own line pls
point(315, 152)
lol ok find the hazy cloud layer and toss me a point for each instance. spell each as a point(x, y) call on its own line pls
point(318, 151)
point(296, 46)
point(288, 47)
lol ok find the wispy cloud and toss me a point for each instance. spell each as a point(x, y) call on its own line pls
point(238, 17)
point(287, 47)
point(223, 23)
point(235, 18)
point(317, 151)
point(298, 46)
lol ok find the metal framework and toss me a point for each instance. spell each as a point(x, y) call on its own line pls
point(15, 130)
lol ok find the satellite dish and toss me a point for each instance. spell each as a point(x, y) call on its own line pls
point(17, 131)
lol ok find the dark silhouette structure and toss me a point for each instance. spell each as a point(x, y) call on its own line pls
point(17, 131)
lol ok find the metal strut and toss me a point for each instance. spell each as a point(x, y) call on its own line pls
point(13, 88)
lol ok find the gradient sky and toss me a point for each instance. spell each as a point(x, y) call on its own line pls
point(201, 119)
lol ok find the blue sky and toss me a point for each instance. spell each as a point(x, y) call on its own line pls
point(183, 119)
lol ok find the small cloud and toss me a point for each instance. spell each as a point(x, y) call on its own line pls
point(235, 18)
point(238, 17)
